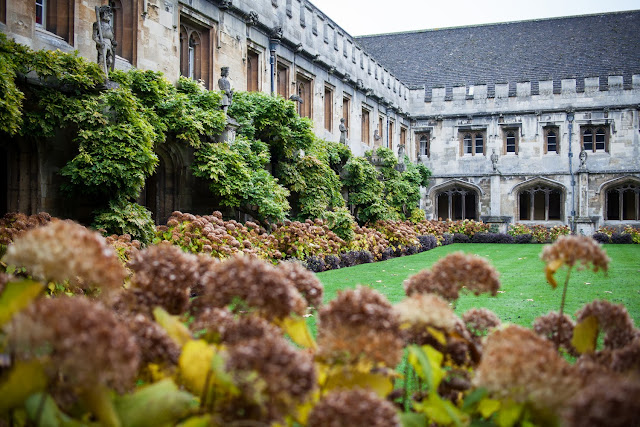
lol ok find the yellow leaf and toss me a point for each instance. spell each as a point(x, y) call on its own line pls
point(157, 404)
point(298, 331)
point(440, 411)
point(488, 407)
point(550, 269)
point(438, 335)
point(509, 414)
point(16, 296)
point(172, 324)
point(98, 400)
point(585, 335)
point(348, 378)
point(199, 421)
point(24, 379)
point(427, 361)
point(195, 364)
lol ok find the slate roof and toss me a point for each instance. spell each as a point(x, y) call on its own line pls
point(547, 49)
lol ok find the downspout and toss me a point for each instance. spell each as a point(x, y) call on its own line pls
point(272, 61)
point(572, 220)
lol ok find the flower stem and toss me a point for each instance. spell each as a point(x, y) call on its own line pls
point(564, 298)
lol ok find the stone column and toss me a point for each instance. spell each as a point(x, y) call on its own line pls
point(584, 224)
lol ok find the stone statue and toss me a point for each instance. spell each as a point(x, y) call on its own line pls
point(343, 132)
point(401, 154)
point(224, 83)
point(583, 159)
point(376, 135)
point(104, 38)
point(494, 160)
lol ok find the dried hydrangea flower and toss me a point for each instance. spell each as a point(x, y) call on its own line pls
point(479, 321)
point(285, 377)
point(469, 271)
point(420, 311)
point(612, 318)
point(424, 282)
point(518, 364)
point(572, 250)
point(256, 283)
point(219, 325)
point(162, 276)
point(206, 264)
point(606, 401)
point(65, 250)
point(359, 324)
point(155, 344)
point(305, 281)
point(77, 338)
point(556, 329)
point(355, 407)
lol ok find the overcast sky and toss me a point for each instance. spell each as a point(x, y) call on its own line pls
point(363, 17)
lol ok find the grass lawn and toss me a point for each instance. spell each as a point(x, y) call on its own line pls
point(524, 293)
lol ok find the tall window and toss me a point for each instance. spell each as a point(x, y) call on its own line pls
point(304, 90)
point(346, 113)
point(195, 53)
point(551, 143)
point(391, 134)
point(3, 11)
point(423, 144)
point(511, 141)
point(328, 109)
point(540, 203)
point(253, 71)
point(123, 28)
point(282, 80)
point(595, 138)
point(457, 203)
point(473, 143)
point(56, 16)
point(403, 136)
point(623, 202)
point(365, 126)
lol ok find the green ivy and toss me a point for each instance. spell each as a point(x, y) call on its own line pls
point(124, 217)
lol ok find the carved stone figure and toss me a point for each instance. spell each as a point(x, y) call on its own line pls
point(104, 38)
point(343, 132)
point(376, 135)
point(494, 160)
point(224, 83)
point(583, 159)
point(401, 154)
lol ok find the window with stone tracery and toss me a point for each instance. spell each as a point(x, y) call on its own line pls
point(595, 138)
point(623, 202)
point(457, 203)
point(195, 61)
point(423, 144)
point(473, 143)
point(540, 203)
point(56, 16)
point(551, 140)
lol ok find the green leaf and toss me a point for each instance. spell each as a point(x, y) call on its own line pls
point(474, 397)
point(43, 411)
point(16, 296)
point(427, 362)
point(158, 404)
point(488, 407)
point(509, 414)
point(585, 335)
point(24, 379)
point(413, 419)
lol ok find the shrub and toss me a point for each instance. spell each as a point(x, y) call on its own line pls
point(540, 234)
point(428, 242)
point(447, 239)
point(518, 230)
point(601, 237)
point(523, 238)
point(461, 238)
point(332, 262)
point(364, 257)
point(559, 230)
point(315, 264)
point(124, 217)
point(467, 227)
point(492, 238)
point(634, 232)
point(388, 253)
point(607, 230)
point(621, 238)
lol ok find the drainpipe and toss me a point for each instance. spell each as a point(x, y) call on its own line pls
point(570, 117)
point(272, 61)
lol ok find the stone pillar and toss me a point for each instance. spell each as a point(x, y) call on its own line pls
point(495, 194)
point(584, 224)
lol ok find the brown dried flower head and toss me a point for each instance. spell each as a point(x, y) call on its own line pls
point(469, 271)
point(518, 364)
point(606, 401)
point(571, 250)
point(355, 407)
point(77, 338)
point(423, 282)
point(547, 326)
point(285, 377)
point(206, 264)
point(65, 250)
point(612, 318)
point(155, 344)
point(359, 324)
point(419, 312)
point(219, 325)
point(305, 281)
point(162, 276)
point(256, 283)
point(479, 321)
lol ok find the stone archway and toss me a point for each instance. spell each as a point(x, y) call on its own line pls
point(161, 192)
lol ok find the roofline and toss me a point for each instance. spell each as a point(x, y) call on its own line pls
point(430, 30)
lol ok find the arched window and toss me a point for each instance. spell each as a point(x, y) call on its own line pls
point(195, 57)
point(623, 202)
point(511, 142)
point(540, 203)
point(468, 144)
point(472, 143)
point(423, 145)
point(123, 28)
point(551, 141)
point(457, 203)
point(595, 138)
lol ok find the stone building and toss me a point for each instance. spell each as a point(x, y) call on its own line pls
point(499, 113)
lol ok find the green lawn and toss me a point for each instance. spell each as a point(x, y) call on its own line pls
point(524, 293)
